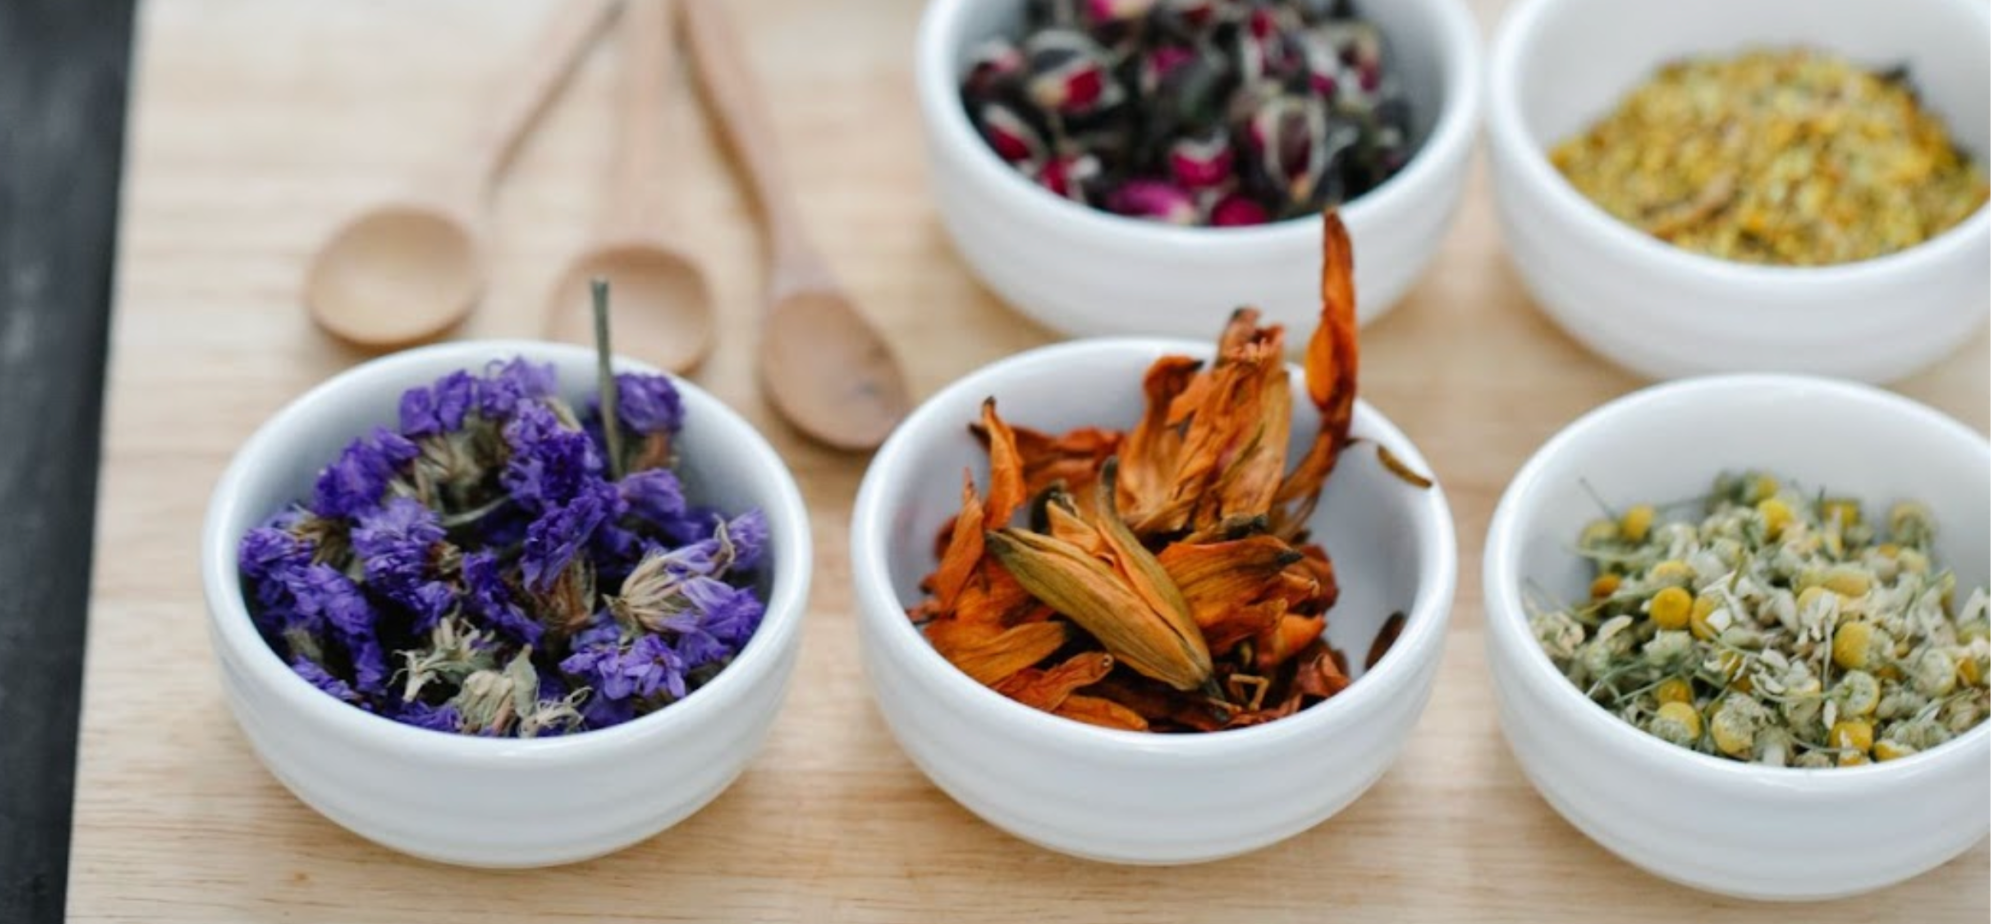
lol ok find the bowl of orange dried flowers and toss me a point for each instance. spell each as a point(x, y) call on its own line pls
point(1183, 602)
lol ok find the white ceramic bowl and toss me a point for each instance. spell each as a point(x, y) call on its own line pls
point(1728, 827)
point(1086, 272)
point(1559, 65)
point(499, 802)
point(1132, 797)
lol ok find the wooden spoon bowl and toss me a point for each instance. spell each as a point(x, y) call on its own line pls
point(651, 287)
point(395, 275)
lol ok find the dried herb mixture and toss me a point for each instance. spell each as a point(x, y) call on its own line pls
point(1793, 157)
point(503, 564)
point(1194, 112)
point(1164, 580)
point(1781, 628)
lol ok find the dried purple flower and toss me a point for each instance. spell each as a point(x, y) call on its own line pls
point(395, 544)
point(639, 670)
point(496, 554)
point(506, 385)
point(647, 404)
point(356, 480)
point(318, 677)
point(487, 597)
point(442, 718)
point(558, 535)
point(438, 409)
point(550, 463)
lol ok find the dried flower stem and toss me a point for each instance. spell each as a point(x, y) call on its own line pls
point(605, 378)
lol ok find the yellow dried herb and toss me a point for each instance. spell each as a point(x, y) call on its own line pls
point(1793, 157)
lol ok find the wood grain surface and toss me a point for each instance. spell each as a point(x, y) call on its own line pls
point(256, 125)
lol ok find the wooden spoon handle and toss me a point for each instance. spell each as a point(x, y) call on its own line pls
point(743, 115)
point(648, 52)
point(544, 69)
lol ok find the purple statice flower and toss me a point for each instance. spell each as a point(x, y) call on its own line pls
point(646, 404)
point(395, 544)
point(716, 620)
point(640, 671)
point(326, 602)
point(748, 535)
point(655, 495)
point(272, 549)
point(439, 409)
point(270, 557)
point(443, 718)
point(559, 534)
point(355, 480)
point(508, 385)
point(728, 613)
point(550, 464)
point(734, 546)
point(601, 712)
point(600, 630)
point(322, 679)
point(486, 596)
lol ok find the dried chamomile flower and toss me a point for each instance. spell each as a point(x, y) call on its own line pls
point(1796, 630)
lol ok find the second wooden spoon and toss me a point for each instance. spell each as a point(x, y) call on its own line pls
point(824, 366)
point(661, 305)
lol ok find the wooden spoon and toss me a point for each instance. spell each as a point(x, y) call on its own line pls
point(824, 366)
point(659, 300)
point(407, 269)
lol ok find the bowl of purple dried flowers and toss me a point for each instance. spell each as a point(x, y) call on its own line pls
point(1119, 166)
point(489, 604)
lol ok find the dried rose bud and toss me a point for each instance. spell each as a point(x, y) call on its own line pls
point(1189, 17)
point(1287, 133)
point(1237, 210)
point(1156, 66)
point(1069, 73)
point(1070, 174)
point(990, 64)
point(1009, 135)
point(1154, 200)
point(1201, 162)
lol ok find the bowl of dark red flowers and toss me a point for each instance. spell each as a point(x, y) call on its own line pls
point(493, 604)
point(1121, 166)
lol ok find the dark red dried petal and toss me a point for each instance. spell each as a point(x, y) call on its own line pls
point(1236, 211)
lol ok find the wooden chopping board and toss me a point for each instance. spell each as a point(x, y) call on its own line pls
point(257, 125)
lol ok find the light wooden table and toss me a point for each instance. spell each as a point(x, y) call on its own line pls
point(257, 124)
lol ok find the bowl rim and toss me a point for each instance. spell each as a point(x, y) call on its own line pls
point(231, 626)
point(1424, 626)
point(1507, 622)
point(1512, 143)
point(1451, 138)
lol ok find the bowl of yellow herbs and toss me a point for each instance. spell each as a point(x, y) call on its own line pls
point(1189, 602)
point(1737, 627)
point(1782, 186)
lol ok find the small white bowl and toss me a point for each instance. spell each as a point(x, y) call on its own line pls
point(1659, 310)
point(500, 802)
point(1132, 797)
point(1734, 828)
point(1085, 272)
